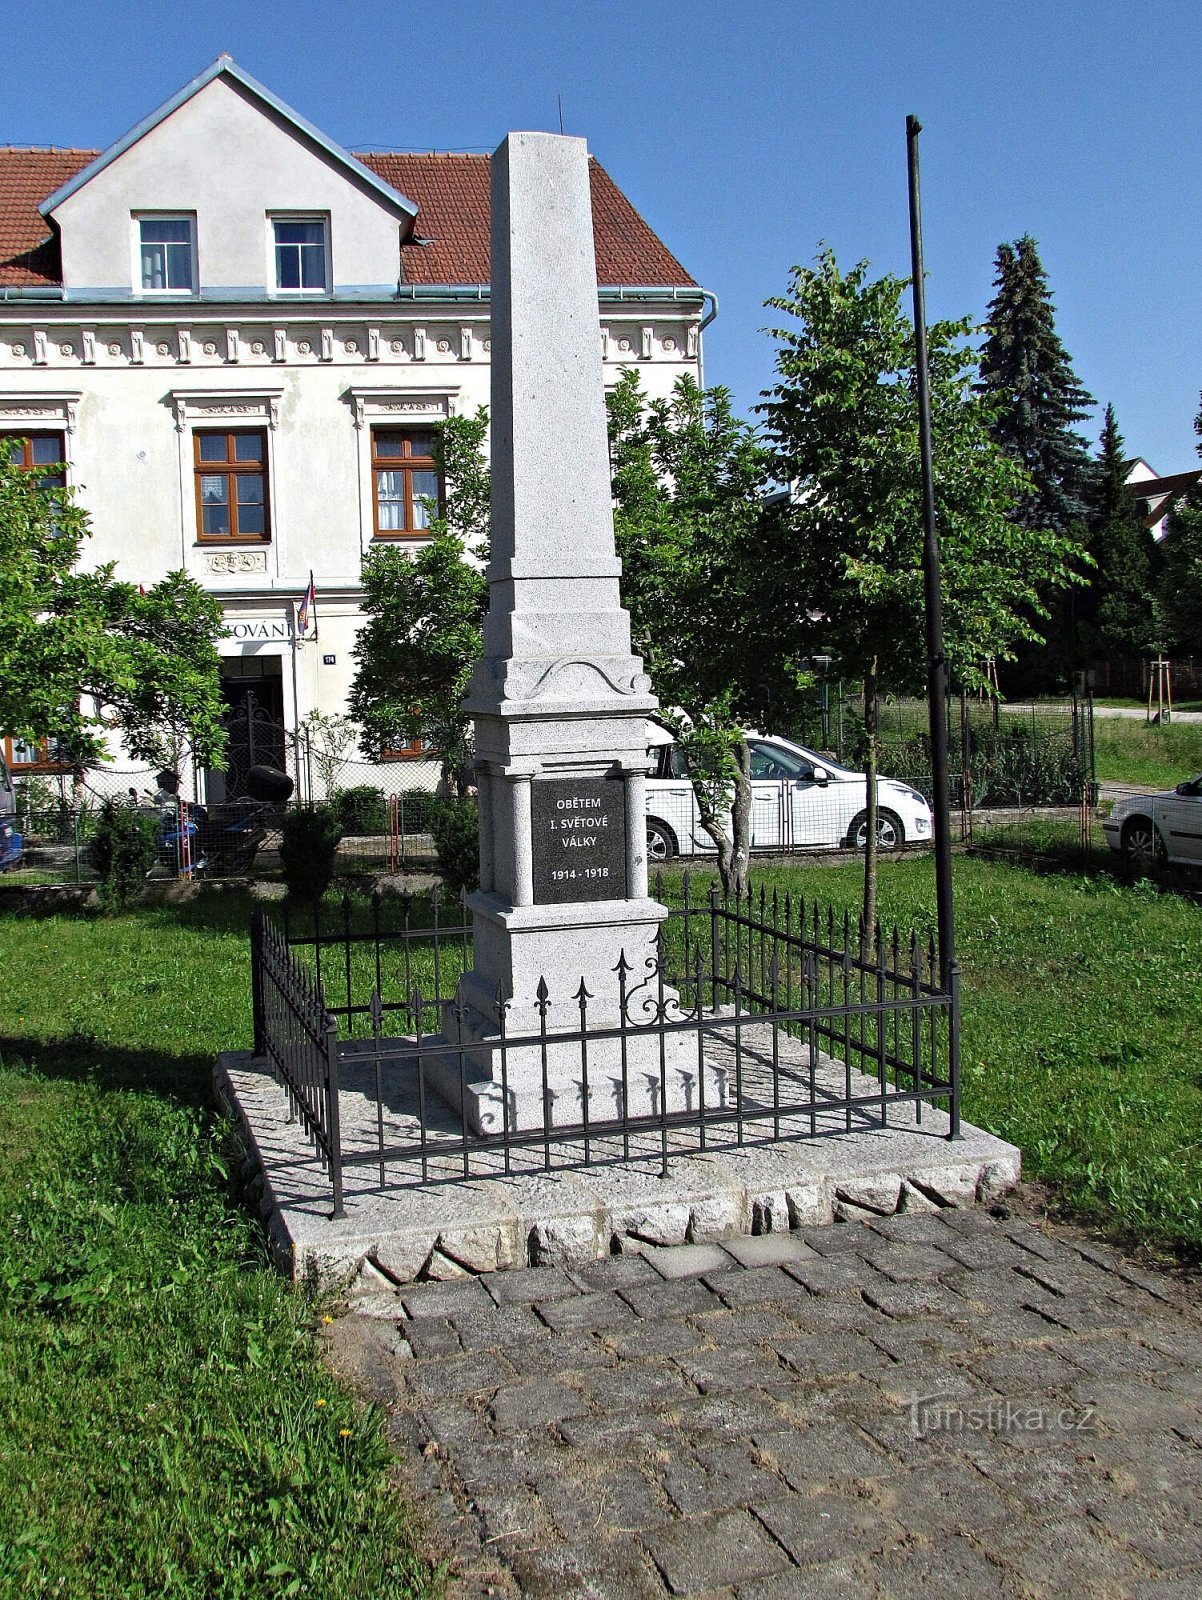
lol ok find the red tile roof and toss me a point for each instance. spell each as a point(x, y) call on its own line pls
point(450, 191)
point(27, 253)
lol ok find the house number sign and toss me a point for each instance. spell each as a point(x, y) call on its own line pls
point(579, 843)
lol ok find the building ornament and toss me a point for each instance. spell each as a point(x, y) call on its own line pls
point(233, 561)
point(202, 405)
point(46, 409)
point(371, 404)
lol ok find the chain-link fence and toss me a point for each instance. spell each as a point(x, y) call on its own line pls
point(382, 834)
point(1015, 767)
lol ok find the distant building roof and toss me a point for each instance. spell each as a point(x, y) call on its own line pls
point(1158, 496)
point(448, 243)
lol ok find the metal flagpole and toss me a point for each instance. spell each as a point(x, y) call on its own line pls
point(296, 735)
point(937, 675)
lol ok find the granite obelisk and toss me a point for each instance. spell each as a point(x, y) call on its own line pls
point(559, 701)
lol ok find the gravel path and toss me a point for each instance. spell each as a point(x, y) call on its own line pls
point(949, 1404)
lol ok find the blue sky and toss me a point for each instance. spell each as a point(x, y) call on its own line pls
point(747, 133)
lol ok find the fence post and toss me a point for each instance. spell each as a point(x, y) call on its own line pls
point(77, 830)
point(953, 1048)
point(256, 982)
point(713, 945)
point(333, 1130)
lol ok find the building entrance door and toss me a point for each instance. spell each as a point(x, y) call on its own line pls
point(254, 722)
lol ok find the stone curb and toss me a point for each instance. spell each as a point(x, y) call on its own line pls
point(569, 1218)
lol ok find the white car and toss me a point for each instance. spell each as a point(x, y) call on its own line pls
point(1153, 830)
point(799, 801)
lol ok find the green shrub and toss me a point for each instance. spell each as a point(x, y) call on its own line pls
point(308, 844)
point(122, 851)
point(361, 809)
point(455, 825)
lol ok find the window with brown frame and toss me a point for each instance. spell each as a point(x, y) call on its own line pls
point(231, 485)
point(407, 490)
point(32, 755)
point(34, 452)
point(408, 750)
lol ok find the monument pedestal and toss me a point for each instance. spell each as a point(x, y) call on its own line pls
point(560, 705)
point(616, 1060)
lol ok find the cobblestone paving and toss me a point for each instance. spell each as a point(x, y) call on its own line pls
point(743, 1422)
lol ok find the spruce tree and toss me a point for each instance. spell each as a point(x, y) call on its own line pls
point(1118, 616)
point(1027, 374)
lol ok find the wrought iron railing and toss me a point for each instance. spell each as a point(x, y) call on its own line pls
point(299, 1038)
point(752, 1020)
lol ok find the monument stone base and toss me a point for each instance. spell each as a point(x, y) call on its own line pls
point(631, 1065)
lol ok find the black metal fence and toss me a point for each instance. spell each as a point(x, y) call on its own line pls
point(1002, 757)
point(746, 1021)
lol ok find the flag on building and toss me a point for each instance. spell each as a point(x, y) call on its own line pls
point(308, 602)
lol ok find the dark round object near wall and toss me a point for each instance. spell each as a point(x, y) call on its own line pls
point(268, 783)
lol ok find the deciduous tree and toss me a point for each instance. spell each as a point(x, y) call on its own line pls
point(82, 653)
point(1180, 589)
point(693, 529)
point(423, 609)
point(843, 422)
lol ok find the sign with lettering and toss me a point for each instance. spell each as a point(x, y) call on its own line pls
point(579, 843)
point(264, 629)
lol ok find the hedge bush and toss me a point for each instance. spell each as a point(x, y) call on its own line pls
point(123, 849)
point(455, 825)
point(308, 844)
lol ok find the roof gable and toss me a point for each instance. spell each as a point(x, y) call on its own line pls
point(226, 66)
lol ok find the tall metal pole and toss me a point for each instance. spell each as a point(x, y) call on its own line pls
point(936, 660)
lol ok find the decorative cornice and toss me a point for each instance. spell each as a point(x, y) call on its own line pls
point(377, 404)
point(203, 405)
point(47, 407)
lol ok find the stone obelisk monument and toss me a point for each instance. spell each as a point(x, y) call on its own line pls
point(558, 699)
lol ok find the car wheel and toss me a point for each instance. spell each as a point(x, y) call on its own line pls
point(1143, 848)
point(661, 841)
point(890, 834)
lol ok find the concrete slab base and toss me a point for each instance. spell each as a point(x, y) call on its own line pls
point(458, 1226)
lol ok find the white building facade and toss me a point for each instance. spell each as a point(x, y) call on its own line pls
point(239, 336)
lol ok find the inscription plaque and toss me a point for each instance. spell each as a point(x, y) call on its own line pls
point(579, 839)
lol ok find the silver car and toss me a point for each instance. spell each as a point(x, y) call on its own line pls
point(1153, 830)
point(799, 801)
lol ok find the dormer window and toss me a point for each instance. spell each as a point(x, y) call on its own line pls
point(301, 254)
point(167, 254)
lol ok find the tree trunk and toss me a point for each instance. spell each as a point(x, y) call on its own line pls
point(734, 850)
point(868, 941)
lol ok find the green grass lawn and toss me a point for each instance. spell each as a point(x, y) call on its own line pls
point(1131, 751)
point(166, 1427)
point(1082, 1015)
point(1130, 703)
